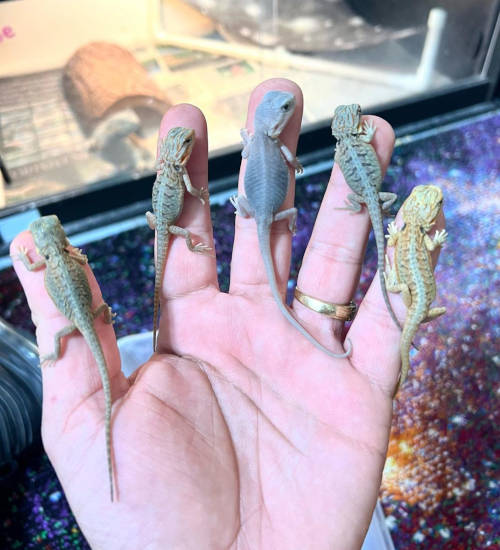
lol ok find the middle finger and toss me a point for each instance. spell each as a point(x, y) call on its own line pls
point(248, 273)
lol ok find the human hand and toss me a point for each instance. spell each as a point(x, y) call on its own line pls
point(237, 433)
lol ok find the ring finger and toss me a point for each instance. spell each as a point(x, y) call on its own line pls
point(333, 259)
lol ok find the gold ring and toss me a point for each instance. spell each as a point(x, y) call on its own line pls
point(341, 312)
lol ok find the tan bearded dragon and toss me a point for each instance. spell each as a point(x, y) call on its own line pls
point(412, 273)
point(266, 186)
point(168, 200)
point(67, 285)
point(361, 169)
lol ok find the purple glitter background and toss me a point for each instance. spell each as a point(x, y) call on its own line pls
point(440, 486)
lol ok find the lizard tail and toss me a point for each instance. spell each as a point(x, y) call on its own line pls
point(409, 330)
point(92, 340)
point(378, 230)
point(265, 249)
point(161, 254)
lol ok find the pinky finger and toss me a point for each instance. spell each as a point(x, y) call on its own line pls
point(375, 338)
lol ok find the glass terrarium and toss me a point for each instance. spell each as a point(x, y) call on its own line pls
point(83, 85)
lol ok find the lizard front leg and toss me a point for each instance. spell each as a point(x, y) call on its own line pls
point(181, 232)
point(201, 194)
point(438, 240)
point(291, 215)
point(52, 357)
point(241, 206)
point(289, 157)
point(247, 140)
point(367, 132)
point(28, 264)
point(393, 234)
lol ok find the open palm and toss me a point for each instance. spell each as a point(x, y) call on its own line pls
point(237, 433)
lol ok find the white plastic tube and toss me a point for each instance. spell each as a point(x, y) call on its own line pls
point(435, 26)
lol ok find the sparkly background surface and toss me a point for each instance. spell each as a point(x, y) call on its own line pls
point(440, 487)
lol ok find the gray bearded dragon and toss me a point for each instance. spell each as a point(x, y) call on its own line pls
point(412, 274)
point(266, 186)
point(168, 200)
point(67, 285)
point(361, 169)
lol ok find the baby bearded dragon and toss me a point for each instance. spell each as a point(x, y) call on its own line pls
point(412, 273)
point(168, 201)
point(67, 285)
point(266, 185)
point(361, 169)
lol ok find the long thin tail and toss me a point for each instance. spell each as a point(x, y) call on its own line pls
point(378, 230)
point(407, 336)
point(95, 345)
point(265, 249)
point(162, 238)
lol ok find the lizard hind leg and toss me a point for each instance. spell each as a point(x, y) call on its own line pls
point(241, 206)
point(107, 313)
point(291, 215)
point(354, 202)
point(387, 199)
point(201, 248)
point(433, 313)
point(51, 358)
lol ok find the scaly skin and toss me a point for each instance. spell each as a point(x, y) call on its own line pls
point(168, 200)
point(67, 285)
point(412, 273)
point(266, 186)
point(361, 169)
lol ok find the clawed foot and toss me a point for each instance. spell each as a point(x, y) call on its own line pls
point(241, 206)
point(440, 237)
point(203, 195)
point(48, 361)
point(201, 248)
point(22, 253)
point(392, 230)
point(297, 166)
point(109, 316)
point(392, 234)
point(369, 130)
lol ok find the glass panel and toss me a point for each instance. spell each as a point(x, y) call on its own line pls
point(83, 84)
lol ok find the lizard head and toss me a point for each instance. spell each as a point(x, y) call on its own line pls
point(48, 234)
point(180, 145)
point(346, 120)
point(274, 112)
point(423, 206)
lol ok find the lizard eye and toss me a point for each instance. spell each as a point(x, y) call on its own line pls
point(188, 140)
point(285, 107)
